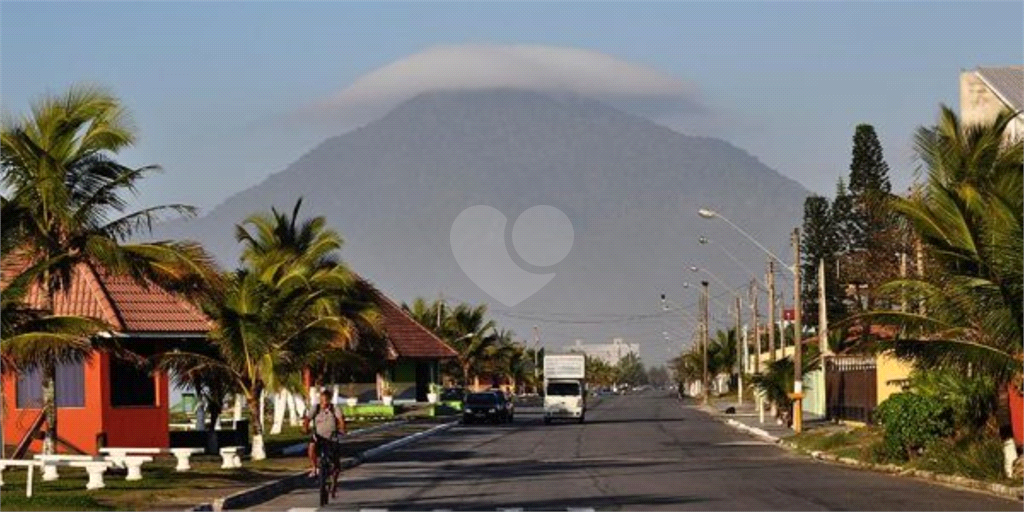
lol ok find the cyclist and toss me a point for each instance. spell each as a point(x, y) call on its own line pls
point(328, 422)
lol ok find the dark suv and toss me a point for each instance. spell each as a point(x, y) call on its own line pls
point(487, 406)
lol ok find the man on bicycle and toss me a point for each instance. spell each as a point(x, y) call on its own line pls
point(328, 423)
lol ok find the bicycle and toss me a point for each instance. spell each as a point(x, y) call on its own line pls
point(327, 466)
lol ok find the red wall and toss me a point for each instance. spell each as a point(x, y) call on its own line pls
point(124, 426)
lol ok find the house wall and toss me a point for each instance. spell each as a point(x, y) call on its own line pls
point(978, 104)
point(137, 426)
point(890, 369)
point(77, 425)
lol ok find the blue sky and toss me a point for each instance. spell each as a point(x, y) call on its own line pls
point(209, 83)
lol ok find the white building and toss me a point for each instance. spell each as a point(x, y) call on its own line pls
point(610, 353)
point(985, 91)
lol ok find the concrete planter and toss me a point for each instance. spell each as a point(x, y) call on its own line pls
point(388, 400)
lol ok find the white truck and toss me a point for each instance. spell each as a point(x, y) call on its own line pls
point(565, 393)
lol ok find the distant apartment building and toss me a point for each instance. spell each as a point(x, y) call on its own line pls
point(987, 90)
point(610, 353)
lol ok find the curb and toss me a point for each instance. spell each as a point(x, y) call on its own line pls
point(261, 493)
point(301, 447)
point(954, 481)
point(754, 431)
point(397, 443)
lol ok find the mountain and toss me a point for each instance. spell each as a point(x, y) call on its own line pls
point(630, 187)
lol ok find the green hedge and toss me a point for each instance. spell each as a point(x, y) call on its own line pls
point(369, 410)
point(911, 422)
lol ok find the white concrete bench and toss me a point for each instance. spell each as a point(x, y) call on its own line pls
point(183, 454)
point(95, 469)
point(131, 459)
point(50, 463)
point(29, 465)
point(118, 454)
point(231, 456)
point(94, 466)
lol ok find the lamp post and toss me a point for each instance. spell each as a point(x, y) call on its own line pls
point(797, 394)
point(711, 214)
point(664, 306)
point(536, 347)
point(739, 350)
point(704, 240)
point(704, 334)
point(798, 383)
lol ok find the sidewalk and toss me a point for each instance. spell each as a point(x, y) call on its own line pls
point(747, 415)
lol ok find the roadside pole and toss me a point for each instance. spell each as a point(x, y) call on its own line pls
point(771, 312)
point(798, 384)
point(739, 355)
point(756, 326)
point(822, 401)
point(705, 335)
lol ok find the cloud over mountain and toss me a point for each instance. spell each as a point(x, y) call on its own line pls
point(631, 86)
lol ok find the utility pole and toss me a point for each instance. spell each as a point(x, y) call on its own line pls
point(756, 327)
point(822, 314)
point(440, 309)
point(821, 405)
point(919, 256)
point(771, 311)
point(704, 333)
point(798, 384)
point(739, 355)
point(536, 347)
point(902, 275)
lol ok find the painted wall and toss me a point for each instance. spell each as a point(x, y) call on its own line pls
point(77, 425)
point(138, 427)
point(890, 369)
point(814, 393)
point(979, 104)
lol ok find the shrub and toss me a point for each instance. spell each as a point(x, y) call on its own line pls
point(910, 422)
point(973, 399)
point(979, 457)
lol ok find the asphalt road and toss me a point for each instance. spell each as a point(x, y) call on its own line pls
point(639, 452)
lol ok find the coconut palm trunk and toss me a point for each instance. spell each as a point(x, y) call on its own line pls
point(49, 372)
point(258, 450)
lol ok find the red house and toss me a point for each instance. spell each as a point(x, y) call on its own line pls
point(105, 400)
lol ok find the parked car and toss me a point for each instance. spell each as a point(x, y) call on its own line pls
point(487, 406)
point(453, 394)
point(507, 400)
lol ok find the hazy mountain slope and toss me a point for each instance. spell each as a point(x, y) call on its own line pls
point(630, 187)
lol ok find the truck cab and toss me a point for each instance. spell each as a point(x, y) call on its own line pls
point(565, 389)
point(565, 399)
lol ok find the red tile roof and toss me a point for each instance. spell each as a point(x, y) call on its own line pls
point(406, 337)
point(128, 306)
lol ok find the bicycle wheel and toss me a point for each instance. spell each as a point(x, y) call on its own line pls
point(324, 467)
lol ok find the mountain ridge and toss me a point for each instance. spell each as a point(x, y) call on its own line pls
point(631, 188)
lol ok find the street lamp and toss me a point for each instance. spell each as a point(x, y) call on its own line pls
point(711, 214)
point(797, 327)
point(707, 241)
point(703, 330)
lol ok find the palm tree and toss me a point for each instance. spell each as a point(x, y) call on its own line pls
point(472, 336)
point(431, 315)
point(969, 219)
point(509, 359)
point(68, 194)
point(32, 336)
point(293, 304)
